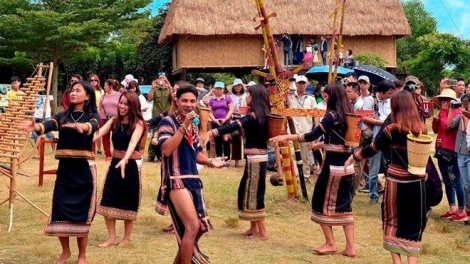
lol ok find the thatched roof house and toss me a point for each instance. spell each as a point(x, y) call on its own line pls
point(221, 33)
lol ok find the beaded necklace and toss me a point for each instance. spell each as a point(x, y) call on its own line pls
point(190, 132)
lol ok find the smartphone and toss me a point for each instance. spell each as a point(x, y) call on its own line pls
point(452, 82)
point(465, 104)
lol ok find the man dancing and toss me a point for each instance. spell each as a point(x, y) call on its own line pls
point(182, 149)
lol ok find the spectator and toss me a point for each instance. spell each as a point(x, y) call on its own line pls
point(323, 49)
point(349, 61)
point(300, 100)
point(15, 92)
point(108, 109)
point(221, 111)
point(96, 85)
point(384, 91)
point(287, 48)
point(445, 142)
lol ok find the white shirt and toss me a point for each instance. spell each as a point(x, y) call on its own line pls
point(302, 124)
point(384, 110)
point(238, 100)
point(145, 105)
point(358, 104)
point(367, 102)
point(40, 107)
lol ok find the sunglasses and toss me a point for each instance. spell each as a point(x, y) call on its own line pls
point(93, 80)
point(161, 73)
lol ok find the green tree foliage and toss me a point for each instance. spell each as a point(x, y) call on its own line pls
point(421, 23)
point(439, 52)
point(55, 30)
point(370, 59)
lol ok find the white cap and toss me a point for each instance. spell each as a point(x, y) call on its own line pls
point(363, 78)
point(129, 78)
point(251, 83)
point(301, 78)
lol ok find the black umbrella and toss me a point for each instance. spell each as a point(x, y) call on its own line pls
point(376, 75)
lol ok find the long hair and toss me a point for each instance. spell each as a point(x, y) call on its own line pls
point(90, 105)
point(98, 84)
point(260, 105)
point(114, 84)
point(134, 84)
point(338, 101)
point(405, 115)
point(135, 113)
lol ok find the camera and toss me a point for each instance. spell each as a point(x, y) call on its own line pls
point(455, 104)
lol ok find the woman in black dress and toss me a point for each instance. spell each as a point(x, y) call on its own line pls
point(333, 193)
point(122, 187)
point(74, 196)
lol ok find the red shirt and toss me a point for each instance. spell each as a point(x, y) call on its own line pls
point(445, 137)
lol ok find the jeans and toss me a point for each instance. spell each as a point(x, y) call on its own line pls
point(374, 168)
point(453, 184)
point(288, 57)
point(464, 168)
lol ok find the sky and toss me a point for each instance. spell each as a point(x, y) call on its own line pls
point(450, 15)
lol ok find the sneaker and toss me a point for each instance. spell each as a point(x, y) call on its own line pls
point(460, 217)
point(448, 214)
point(365, 189)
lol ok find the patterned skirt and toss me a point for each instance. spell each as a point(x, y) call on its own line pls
point(74, 199)
point(252, 189)
point(333, 193)
point(403, 212)
point(121, 196)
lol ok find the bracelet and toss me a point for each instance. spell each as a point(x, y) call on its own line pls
point(209, 163)
point(182, 130)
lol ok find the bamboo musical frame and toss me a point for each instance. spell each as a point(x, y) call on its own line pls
point(14, 141)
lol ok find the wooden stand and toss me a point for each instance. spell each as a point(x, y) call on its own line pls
point(44, 141)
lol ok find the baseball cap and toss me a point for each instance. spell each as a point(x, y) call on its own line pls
point(200, 80)
point(363, 78)
point(251, 83)
point(237, 82)
point(301, 78)
point(219, 85)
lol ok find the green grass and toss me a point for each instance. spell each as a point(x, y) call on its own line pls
point(291, 233)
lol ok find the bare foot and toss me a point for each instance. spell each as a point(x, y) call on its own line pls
point(349, 253)
point(169, 228)
point(325, 249)
point(260, 236)
point(250, 232)
point(109, 242)
point(62, 258)
point(81, 260)
point(124, 242)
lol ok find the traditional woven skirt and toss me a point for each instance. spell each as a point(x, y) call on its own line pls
point(252, 189)
point(403, 212)
point(194, 187)
point(333, 193)
point(121, 197)
point(74, 199)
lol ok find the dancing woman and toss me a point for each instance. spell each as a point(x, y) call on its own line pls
point(74, 196)
point(122, 187)
point(333, 193)
point(254, 128)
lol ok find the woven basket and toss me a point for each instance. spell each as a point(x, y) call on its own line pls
point(353, 131)
point(275, 125)
point(418, 149)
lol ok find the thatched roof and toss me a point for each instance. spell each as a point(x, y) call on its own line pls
point(308, 17)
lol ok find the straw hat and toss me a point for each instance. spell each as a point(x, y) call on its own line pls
point(445, 93)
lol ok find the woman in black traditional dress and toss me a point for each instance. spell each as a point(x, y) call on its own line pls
point(122, 187)
point(254, 128)
point(74, 196)
point(404, 204)
point(333, 193)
